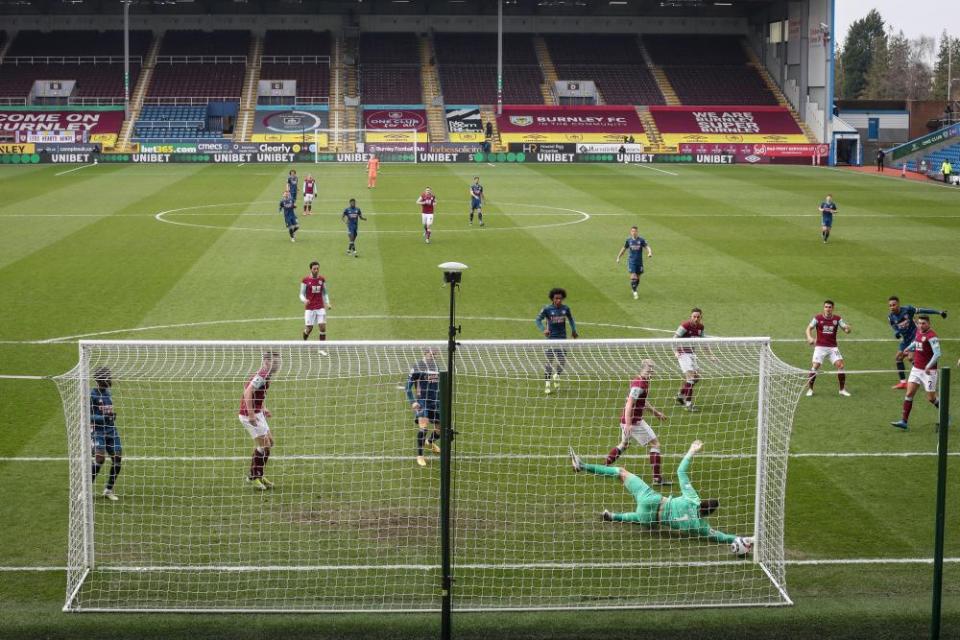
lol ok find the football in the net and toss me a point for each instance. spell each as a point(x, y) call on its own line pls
point(741, 547)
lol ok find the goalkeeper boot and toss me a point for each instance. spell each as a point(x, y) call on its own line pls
point(266, 483)
point(110, 495)
point(257, 484)
point(575, 461)
point(556, 381)
point(900, 424)
point(435, 447)
point(421, 461)
point(607, 516)
point(547, 389)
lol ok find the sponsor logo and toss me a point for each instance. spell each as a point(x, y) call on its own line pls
point(753, 159)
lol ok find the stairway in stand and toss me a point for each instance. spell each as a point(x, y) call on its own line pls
point(653, 133)
point(432, 94)
point(547, 68)
point(663, 83)
point(776, 91)
point(139, 93)
point(243, 128)
point(488, 114)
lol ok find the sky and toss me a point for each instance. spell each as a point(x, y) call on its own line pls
point(914, 17)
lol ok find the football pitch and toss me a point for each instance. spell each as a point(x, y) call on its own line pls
point(200, 252)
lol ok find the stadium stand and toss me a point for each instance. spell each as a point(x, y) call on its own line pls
point(709, 70)
point(172, 122)
point(390, 68)
point(78, 43)
point(613, 62)
point(205, 43)
point(935, 160)
point(197, 79)
point(468, 72)
point(93, 80)
point(297, 55)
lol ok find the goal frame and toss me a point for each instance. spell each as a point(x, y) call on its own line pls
point(81, 553)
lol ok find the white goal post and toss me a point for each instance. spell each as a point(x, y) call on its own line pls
point(352, 521)
point(356, 145)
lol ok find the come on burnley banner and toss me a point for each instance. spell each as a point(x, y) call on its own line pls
point(609, 124)
point(101, 126)
point(387, 125)
point(737, 124)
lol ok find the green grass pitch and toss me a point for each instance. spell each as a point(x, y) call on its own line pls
point(199, 252)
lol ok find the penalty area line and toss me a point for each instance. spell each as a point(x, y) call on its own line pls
point(83, 166)
point(643, 166)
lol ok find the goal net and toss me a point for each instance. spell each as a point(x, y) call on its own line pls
point(352, 522)
point(357, 145)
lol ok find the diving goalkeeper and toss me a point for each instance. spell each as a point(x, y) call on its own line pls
point(686, 512)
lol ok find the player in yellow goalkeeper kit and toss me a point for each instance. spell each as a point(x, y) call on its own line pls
point(686, 512)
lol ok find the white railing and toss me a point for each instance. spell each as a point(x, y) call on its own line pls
point(70, 59)
point(312, 100)
point(13, 101)
point(170, 124)
point(294, 59)
point(792, 91)
point(95, 100)
point(201, 59)
point(190, 100)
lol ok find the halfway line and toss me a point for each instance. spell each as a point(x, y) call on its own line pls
point(83, 166)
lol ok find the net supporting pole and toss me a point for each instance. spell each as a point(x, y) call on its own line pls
point(760, 504)
point(452, 279)
point(941, 501)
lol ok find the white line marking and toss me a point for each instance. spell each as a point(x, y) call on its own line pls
point(478, 458)
point(83, 166)
point(932, 183)
point(640, 164)
point(243, 163)
point(161, 217)
point(490, 164)
point(571, 566)
point(15, 377)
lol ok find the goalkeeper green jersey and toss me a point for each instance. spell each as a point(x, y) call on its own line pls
point(681, 513)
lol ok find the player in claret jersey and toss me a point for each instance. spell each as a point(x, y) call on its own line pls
point(476, 200)
point(309, 193)
point(423, 393)
point(427, 202)
point(288, 207)
point(634, 427)
point(926, 354)
point(635, 245)
point(253, 417)
point(901, 321)
point(690, 328)
point(316, 301)
point(826, 325)
point(552, 321)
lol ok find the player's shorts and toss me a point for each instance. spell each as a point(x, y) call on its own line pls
point(426, 219)
point(635, 267)
point(308, 198)
point(687, 361)
point(820, 353)
point(290, 219)
point(905, 342)
point(428, 410)
point(826, 221)
point(642, 433)
point(926, 380)
point(352, 230)
point(557, 353)
point(314, 316)
point(107, 439)
point(257, 428)
point(293, 192)
point(475, 203)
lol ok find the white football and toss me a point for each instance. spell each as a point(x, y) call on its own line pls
point(741, 546)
